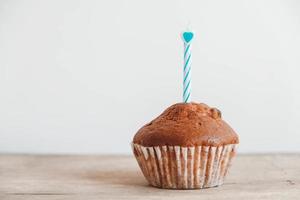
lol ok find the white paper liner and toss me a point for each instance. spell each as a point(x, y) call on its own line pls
point(184, 167)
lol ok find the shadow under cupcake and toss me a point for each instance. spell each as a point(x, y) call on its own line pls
point(188, 146)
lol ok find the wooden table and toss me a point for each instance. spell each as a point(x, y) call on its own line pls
point(34, 177)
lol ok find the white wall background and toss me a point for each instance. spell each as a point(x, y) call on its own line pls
point(83, 76)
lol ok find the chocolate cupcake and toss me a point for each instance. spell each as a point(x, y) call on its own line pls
point(188, 146)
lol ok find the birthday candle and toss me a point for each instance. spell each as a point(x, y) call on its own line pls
point(187, 38)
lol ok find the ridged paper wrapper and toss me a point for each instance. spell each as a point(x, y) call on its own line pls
point(177, 167)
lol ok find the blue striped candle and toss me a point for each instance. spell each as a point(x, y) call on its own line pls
point(187, 38)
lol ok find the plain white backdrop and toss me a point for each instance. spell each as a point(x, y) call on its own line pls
point(84, 76)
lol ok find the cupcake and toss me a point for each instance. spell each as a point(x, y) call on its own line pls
point(188, 146)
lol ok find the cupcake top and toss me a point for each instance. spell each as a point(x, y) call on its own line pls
point(187, 124)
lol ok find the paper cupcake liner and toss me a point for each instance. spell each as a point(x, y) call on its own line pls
point(184, 167)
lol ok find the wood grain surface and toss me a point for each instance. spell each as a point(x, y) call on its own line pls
point(35, 177)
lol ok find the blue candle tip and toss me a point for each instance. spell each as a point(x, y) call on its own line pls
point(187, 36)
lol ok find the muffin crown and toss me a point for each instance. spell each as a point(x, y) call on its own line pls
point(187, 124)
